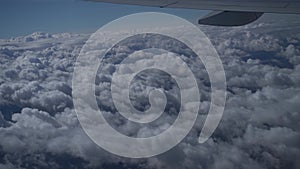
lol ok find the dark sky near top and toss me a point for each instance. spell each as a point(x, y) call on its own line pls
point(21, 17)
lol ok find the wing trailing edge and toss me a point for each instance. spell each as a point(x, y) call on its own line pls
point(229, 18)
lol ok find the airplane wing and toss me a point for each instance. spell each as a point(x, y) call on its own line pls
point(226, 12)
point(268, 6)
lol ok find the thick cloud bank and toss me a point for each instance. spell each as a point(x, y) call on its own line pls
point(260, 127)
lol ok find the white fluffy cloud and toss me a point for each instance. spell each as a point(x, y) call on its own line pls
point(260, 127)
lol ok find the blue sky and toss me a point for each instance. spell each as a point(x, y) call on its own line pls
point(21, 17)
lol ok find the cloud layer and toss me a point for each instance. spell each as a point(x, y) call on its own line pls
point(260, 127)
